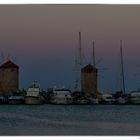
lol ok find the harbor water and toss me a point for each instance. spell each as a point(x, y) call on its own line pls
point(94, 120)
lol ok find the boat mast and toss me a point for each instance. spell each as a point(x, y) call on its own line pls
point(93, 55)
point(78, 63)
point(122, 68)
point(80, 51)
point(80, 60)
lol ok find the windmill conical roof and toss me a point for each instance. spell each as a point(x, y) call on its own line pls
point(9, 64)
point(89, 68)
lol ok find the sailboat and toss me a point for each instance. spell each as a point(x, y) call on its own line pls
point(78, 97)
point(122, 98)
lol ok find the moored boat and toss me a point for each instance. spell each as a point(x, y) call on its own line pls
point(93, 100)
point(122, 99)
point(82, 101)
point(16, 99)
point(107, 99)
point(134, 97)
point(34, 95)
point(61, 95)
point(121, 94)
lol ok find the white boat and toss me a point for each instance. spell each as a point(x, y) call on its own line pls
point(16, 99)
point(93, 100)
point(33, 95)
point(107, 99)
point(135, 97)
point(61, 95)
point(82, 102)
point(121, 100)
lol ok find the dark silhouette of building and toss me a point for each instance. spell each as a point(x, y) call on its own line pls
point(89, 81)
point(9, 78)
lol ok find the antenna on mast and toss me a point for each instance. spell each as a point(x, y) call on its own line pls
point(122, 68)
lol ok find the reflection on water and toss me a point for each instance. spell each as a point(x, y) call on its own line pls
point(69, 120)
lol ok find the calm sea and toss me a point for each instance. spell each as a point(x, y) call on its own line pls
point(69, 120)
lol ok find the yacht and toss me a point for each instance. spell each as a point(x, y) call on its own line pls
point(16, 100)
point(34, 95)
point(93, 100)
point(107, 99)
point(121, 100)
point(135, 97)
point(61, 95)
point(82, 101)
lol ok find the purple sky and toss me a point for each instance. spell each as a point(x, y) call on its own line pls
point(42, 40)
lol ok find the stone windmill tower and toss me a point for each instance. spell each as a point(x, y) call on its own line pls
point(9, 78)
point(89, 78)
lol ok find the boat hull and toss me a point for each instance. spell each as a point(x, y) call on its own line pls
point(81, 101)
point(135, 97)
point(107, 102)
point(135, 101)
point(33, 100)
point(121, 101)
point(16, 101)
point(93, 101)
point(61, 101)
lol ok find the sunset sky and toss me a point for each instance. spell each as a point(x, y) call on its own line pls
point(43, 41)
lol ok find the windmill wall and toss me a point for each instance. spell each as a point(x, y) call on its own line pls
point(9, 78)
point(89, 81)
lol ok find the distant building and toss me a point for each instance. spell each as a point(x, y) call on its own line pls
point(89, 81)
point(9, 78)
